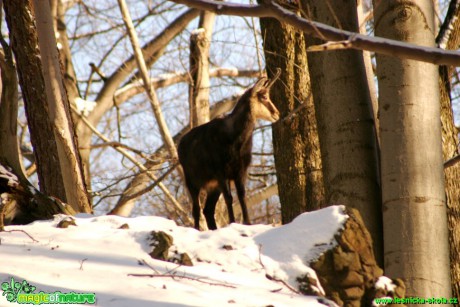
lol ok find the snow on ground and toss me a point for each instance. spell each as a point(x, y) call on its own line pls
point(230, 264)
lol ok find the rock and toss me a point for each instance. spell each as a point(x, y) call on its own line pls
point(162, 242)
point(66, 222)
point(308, 285)
point(124, 226)
point(354, 293)
point(352, 279)
point(349, 271)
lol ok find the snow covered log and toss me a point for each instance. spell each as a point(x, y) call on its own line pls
point(21, 203)
point(349, 273)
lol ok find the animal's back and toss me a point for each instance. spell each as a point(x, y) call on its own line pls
point(203, 151)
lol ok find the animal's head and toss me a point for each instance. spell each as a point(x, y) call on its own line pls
point(261, 104)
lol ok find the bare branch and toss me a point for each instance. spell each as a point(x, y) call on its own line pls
point(447, 25)
point(23, 231)
point(105, 96)
point(357, 41)
point(135, 162)
point(126, 92)
point(154, 102)
point(452, 162)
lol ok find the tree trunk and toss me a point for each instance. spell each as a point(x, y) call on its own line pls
point(200, 42)
point(295, 139)
point(450, 149)
point(414, 207)
point(345, 121)
point(24, 42)
point(58, 111)
point(9, 149)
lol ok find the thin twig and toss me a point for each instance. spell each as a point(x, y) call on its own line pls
point(147, 264)
point(20, 230)
point(133, 160)
point(173, 276)
point(269, 277)
point(81, 263)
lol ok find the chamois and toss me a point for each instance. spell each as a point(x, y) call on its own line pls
point(218, 152)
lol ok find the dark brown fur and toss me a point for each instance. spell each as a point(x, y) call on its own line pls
point(216, 153)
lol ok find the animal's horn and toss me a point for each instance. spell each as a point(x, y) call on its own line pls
point(277, 74)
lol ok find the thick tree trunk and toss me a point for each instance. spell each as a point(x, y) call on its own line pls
point(24, 42)
point(414, 206)
point(450, 149)
point(345, 121)
point(9, 149)
point(295, 138)
point(58, 111)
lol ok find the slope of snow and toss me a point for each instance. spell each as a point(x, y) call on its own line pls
point(231, 264)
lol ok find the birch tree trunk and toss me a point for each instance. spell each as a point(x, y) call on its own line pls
point(345, 121)
point(295, 137)
point(414, 205)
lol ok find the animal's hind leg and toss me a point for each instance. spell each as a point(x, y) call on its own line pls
point(210, 208)
point(196, 210)
point(225, 186)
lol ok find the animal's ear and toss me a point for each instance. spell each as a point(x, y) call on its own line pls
point(259, 86)
point(277, 74)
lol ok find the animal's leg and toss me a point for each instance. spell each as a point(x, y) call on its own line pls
point(241, 191)
point(225, 186)
point(210, 208)
point(196, 210)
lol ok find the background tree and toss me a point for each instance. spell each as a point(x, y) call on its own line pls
point(449, 38)
point(415, 223)
point(346, 128)
point(24, 43)
point(120, 140)
point(65, 171)
point(295, 139)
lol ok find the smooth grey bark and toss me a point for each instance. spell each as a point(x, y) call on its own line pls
point(346, 128)
point(414, 204)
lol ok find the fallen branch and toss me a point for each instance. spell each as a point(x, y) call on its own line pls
point(174, 276)
point(20, 230)
point(269, 277)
